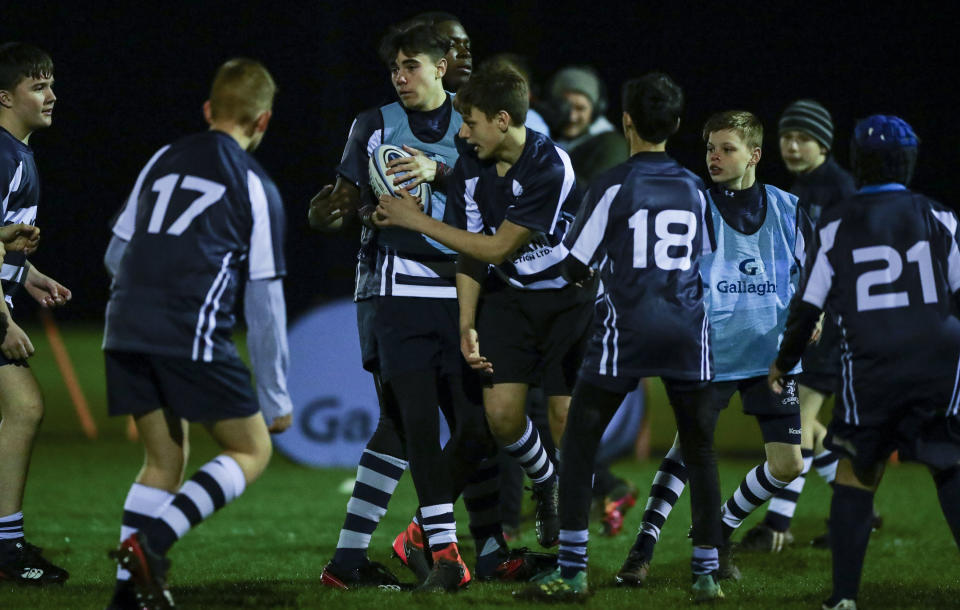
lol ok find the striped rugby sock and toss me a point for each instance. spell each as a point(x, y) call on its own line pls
point(784, 503)
point(572, 556)
point(439, 525)
point(143, 504)
point(826, 465)
point(758, 487)
point(11, 526)
point(529, 452)
point(377, 477)
point(668, 484)
point(216, 484)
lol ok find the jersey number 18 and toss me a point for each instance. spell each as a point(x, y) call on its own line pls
point(661, 247)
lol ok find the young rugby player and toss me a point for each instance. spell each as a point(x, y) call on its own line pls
point(511, 197)
point(26, 105)
point(420, 368)
point(203, 221)
point(385, 457)
point(885, 263)
point(806, 137)
point(642, 222)
point(748, 282)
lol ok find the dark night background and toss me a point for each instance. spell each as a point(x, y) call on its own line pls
point(131, 76)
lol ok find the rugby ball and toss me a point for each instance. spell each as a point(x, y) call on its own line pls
point(382, 184)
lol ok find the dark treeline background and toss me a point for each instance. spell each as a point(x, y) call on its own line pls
point(132, 76)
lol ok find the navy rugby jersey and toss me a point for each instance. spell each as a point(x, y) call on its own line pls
point(537, 193)
point(20, 194)
point(642, 222)
point(431, 132)
point(202, 219)
point(886, 263)
point(822, 188)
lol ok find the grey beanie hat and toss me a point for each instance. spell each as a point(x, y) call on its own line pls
point(811, 118)
point(576, 79)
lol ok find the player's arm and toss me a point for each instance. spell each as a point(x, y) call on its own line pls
point(44, 289)
point(342, 201)
point(585, 236)
point(16, 344)
point(404, 211)
point(470, 276)
point(807, 305)
point(266, 315)
point(801, 322)
point(114, 254)
point(334, 204)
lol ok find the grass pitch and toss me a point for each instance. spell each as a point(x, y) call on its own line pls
point(267, 549)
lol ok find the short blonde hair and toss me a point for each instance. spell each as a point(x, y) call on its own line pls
point(242, 89)
point(746, 124)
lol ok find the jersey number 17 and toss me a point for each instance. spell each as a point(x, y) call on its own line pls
point(209, 193)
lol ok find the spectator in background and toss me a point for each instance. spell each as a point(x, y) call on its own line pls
point(593, 142)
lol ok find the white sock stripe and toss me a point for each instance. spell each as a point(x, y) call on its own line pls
point(353, 540)
point(146, 500)
point(796, 484)
point(728, 518)
point(660, 506)
point(651, 529)
point(807, 465)
point(536, 466)
point(435, 510)
point(376, 480)
point(389, 459)
point(367, 510)
point(11, 536)
point(534, 452)
point(177, 521)
point(200, 498)
point(17, 516)
point(783, 507)
point(447, 537)
point(523, 437)
point(753, 484)
point(574, 536)
point(545, 476)
point(742, 503)
point(665, 479)
point(234, 474)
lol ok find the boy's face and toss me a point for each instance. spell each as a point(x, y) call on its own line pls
point(459, 59)
point(485, 135)
point(31, 102)
point(800, 152)
point(728, 156)
point(581, 113)
point(417, 79)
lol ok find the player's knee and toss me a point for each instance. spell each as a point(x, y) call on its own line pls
point(787, 469)
point(504, 423)
point(26, 415)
